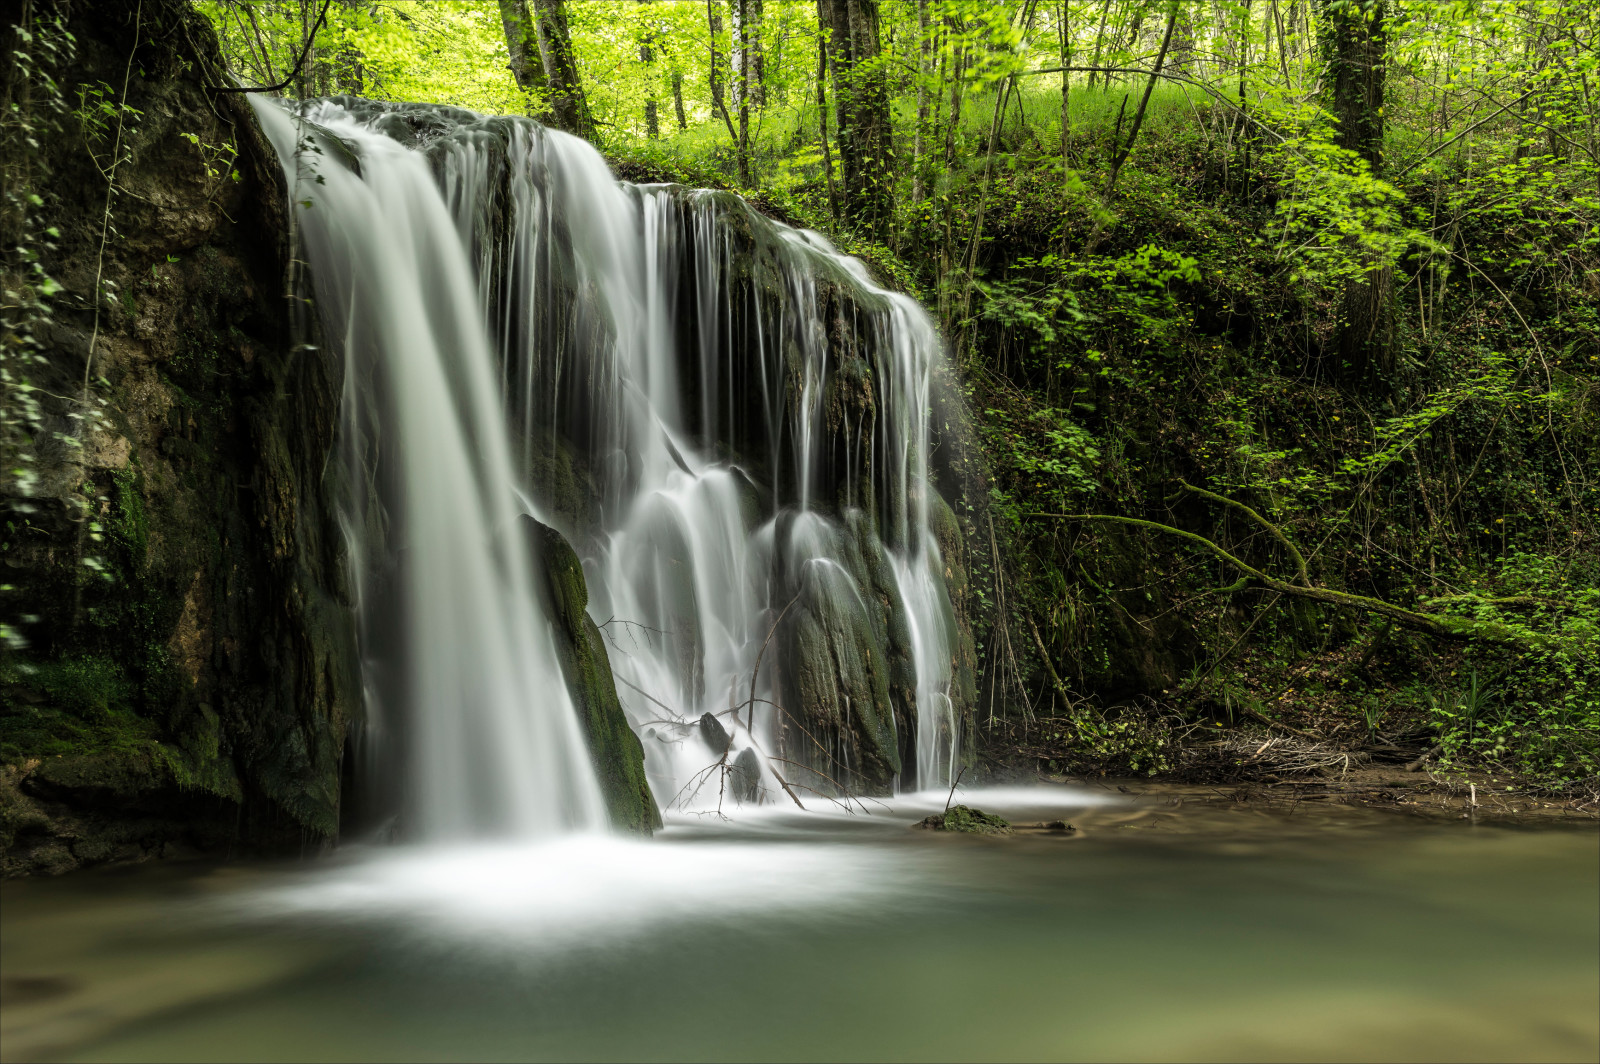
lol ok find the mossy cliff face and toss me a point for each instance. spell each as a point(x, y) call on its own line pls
point(182, 669)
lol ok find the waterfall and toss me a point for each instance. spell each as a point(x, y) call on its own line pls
point(724, 416)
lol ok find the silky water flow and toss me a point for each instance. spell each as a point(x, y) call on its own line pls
point(502, 302)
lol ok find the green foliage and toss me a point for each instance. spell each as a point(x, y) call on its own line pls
point(1335, 220)
point(1541, 718)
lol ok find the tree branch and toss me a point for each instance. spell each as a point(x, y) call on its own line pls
point(280, 86)
point(1440, 625)
point(1274, 530)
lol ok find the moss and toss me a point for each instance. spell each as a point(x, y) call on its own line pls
point(966, 820)
point(71, 706)
point(618, 755)
point(130, 523)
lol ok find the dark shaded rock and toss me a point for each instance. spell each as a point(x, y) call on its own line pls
point(966, 820)
point(745, 777)
point(714, 734)
point(618, 754)
point(833, 661)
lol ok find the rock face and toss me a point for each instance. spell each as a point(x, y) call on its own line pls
point(179, 667)
point(618, 754)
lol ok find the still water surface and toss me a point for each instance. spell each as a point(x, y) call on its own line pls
point(1154, 931)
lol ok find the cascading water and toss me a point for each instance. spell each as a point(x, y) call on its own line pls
point(723, 415)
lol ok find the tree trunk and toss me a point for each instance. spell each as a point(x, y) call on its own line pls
point(833, 22)
point(305, 80)
point(568, 105)
point(718, 103)
point(923, 73)
point(1182, 45)
point(755, 58)
point(522, 44)
point(1144, 101)
point(1353, 43)
point(1099, 39)
point(822, 123)
point(350, 76)
point(1066, 90)
point(740, 50)
point(677, 100)
point(652, 115)
point(862, 98)
point(715, 77)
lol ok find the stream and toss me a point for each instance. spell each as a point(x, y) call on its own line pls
point(1166, 925)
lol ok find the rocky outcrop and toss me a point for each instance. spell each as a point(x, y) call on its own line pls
point(180, 669)
point(618, 754)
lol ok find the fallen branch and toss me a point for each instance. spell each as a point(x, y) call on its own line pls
point(1435, 624)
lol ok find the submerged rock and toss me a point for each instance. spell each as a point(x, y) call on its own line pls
point(967, 820)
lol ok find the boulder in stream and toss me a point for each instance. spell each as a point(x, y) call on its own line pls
point(965, 819)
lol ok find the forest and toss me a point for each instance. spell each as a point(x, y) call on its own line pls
point(1277, 321)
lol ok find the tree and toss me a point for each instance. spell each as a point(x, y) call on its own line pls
point(568, 105)
point(717, 79)
point(522, 43)
point(1353, 44)
point(861, 102)
point(652, 121)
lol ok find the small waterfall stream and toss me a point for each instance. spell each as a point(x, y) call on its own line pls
point(724, 416)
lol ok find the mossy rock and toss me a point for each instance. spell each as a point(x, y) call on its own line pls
point(618, 755)
point(966, 820)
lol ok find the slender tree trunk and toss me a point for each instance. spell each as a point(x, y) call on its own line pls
point(1144, 101)
point(350, 74)
point(822, 122)
point(652, 117)
point(1066, 88)
point(923, 73)
point(677, 101)
point(960, 60)
point(755, 56)
point(715, 79)
point(736, 50)
point(305, 81)
point(1353, 42)
point(647, 56)
point(568, 105)
point(1099, 38)
point(1244, 104)
point(833, 21)
point(741, 82)
point(1182, 44)
point(718, 80)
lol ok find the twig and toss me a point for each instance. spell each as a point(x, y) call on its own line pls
point(953, 785)
point(756, 672)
